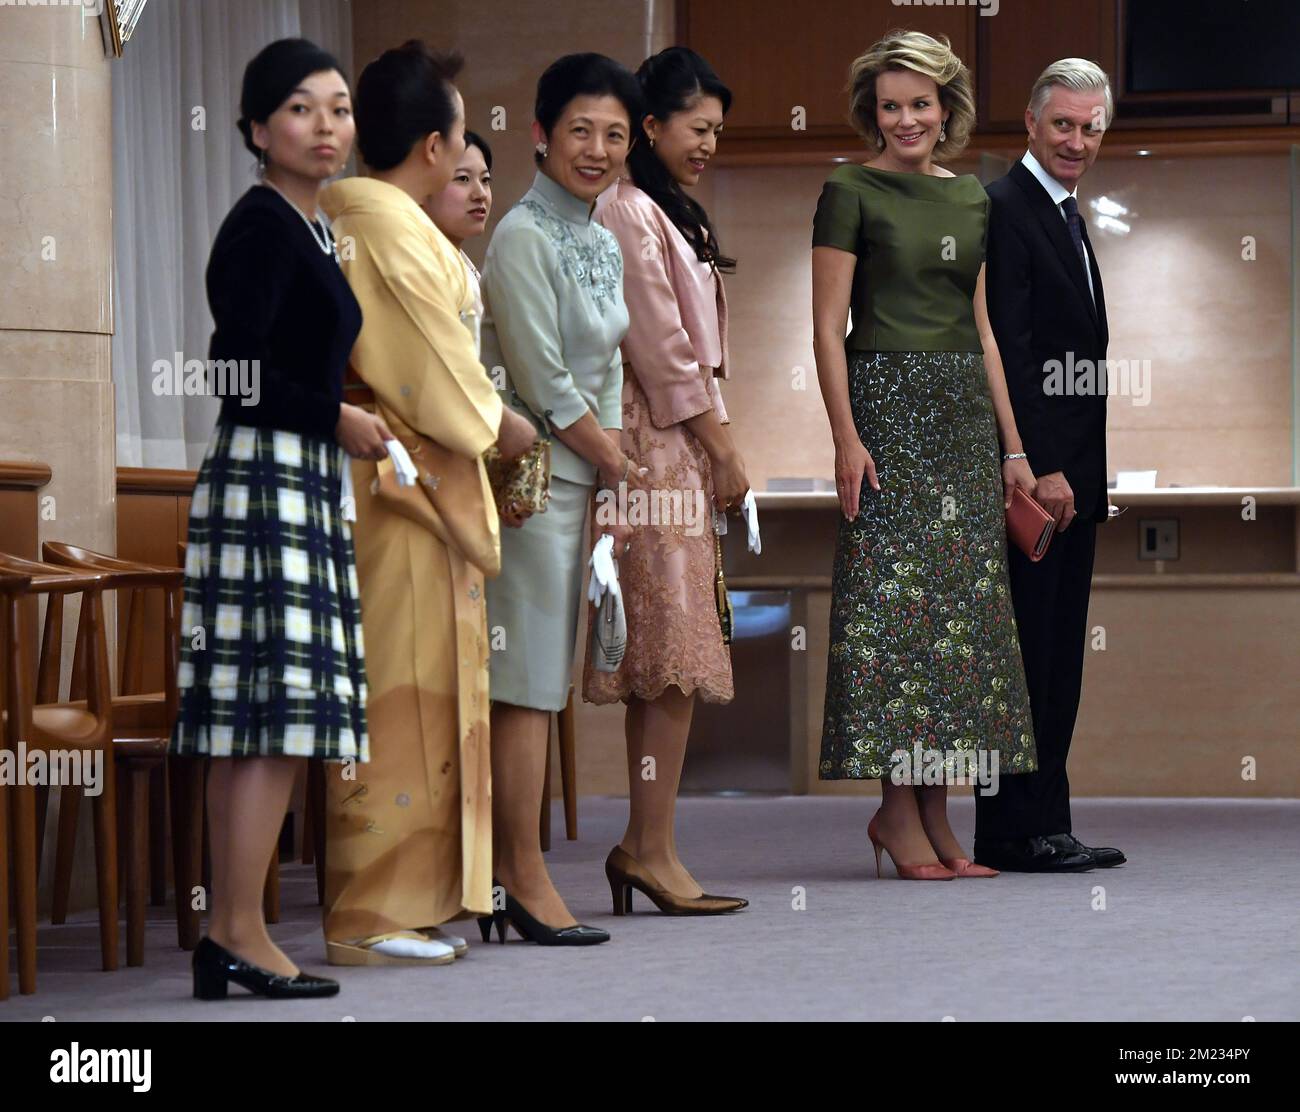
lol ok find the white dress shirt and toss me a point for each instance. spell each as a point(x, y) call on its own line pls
point(1058, 193)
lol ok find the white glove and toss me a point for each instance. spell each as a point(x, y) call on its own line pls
point(750, 509)
point(347, 497)
point(604, 574)
point(406, 473)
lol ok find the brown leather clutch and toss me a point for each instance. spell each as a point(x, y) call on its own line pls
point(1029, 526)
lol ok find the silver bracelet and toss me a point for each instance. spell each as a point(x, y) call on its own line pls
point(1014, 455)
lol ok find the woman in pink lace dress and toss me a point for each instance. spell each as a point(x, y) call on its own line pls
point(674, 425)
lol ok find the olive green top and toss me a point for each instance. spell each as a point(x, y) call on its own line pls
point(920, 241)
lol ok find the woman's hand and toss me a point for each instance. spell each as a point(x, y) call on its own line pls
point(515, 436)
point(853, 463)
point(730, 484)
point(514, 515)
point(1017, 473)
point(362, 434)
point(621, 531)
point(620, 469)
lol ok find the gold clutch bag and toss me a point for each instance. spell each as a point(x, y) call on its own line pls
point(524, 480)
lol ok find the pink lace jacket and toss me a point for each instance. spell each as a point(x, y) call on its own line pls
point(676, 304)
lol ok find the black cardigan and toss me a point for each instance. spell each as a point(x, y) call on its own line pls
point(278, 299)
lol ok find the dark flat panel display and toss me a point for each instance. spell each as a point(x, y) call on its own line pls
point(1175, 46)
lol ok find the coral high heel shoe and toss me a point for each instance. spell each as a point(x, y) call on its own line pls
point(906, 872)
point(964, 866)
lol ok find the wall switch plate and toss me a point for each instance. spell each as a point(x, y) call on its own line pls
point(1158, 538)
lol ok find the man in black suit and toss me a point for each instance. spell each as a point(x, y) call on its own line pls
point(1048, 314)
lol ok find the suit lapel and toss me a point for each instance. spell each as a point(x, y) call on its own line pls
point(1049, 216)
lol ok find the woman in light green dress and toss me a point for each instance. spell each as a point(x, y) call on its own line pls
point(554, 317)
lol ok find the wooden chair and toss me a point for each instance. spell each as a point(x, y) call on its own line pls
point(186, 780)
point(564, 721)
point(313, 825)
point(141, 731)
point(42, 723)
point(12, 589)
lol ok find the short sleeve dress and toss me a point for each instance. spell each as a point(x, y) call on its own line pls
point(923, 645)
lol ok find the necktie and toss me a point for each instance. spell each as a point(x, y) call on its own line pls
point(1075, 223)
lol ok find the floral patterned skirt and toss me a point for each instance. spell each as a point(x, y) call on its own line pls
point(674, 638)
point(923, 643)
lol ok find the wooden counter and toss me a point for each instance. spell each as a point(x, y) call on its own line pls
point(1192, 663)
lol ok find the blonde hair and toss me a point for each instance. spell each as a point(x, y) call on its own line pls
point(930, 57)
point(1077, 74)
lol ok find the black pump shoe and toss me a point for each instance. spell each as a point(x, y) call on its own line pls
point(215, 967)
point(534, 930)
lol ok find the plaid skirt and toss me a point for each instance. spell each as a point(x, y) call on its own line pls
point(271, 648)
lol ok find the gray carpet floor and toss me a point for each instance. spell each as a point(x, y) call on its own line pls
point(1200, 925)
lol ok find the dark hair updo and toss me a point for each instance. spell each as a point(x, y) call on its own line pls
point(474, 139)
point(670, 82)
point(402, 96)
point(577, 75)
point(269, 78)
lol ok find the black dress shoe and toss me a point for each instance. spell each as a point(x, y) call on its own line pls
point(534, 930)
point(1103, 857)
point(1030, 855)
point(215, 967)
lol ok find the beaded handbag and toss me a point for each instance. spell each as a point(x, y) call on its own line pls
point(524, 480)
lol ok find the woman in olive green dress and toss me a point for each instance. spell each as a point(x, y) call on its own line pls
point(925, 684)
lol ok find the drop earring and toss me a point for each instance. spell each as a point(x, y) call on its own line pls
point(943, 133)
point(541, 149)
point(261, 162)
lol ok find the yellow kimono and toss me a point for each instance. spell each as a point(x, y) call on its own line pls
point(409, 838)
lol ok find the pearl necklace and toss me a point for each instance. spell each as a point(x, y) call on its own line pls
point(325, 241)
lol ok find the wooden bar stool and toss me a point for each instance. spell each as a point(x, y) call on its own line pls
point(43, 724)
point(142, 726)
point(564, 722)
point(12, 589)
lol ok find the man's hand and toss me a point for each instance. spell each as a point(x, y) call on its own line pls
point(1056, 497)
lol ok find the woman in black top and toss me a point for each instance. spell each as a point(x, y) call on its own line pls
point(271, 663)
